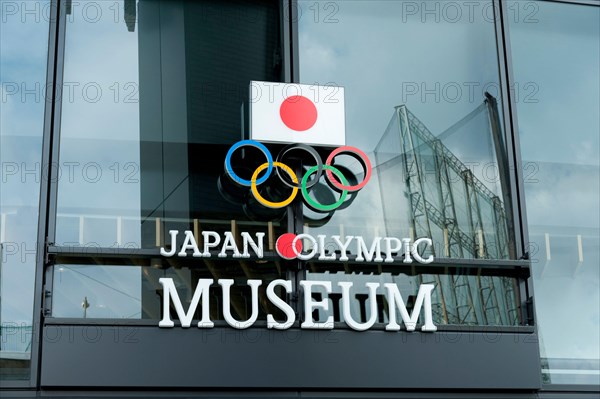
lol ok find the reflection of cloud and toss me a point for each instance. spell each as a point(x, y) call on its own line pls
point(567, 110)
point(317, 50)
point(555, 296)
point(100, 55)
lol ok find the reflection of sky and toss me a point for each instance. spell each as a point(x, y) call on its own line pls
point(100, 128)
point(560, 145)
point(567, 110)
point(374, 55)
point(23, 57)
point(111, 292)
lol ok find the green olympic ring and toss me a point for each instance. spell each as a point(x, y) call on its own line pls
point(314, 204)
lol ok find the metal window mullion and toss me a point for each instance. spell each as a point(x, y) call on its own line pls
point(47, 203)
point(511, 129)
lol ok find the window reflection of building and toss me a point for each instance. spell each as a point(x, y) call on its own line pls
point(446, 199)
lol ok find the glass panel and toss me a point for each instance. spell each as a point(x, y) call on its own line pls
point(422, 95)
point(100, 128)
point(159, 97)
point(23, 57)
point(167, 94)
point(475, 300)
point(133, 292)
point(124, 291)
point(559, 125)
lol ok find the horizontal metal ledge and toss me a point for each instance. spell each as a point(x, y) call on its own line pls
point(140, 253)
point(220, 324)
point(515, 268)
point(228, 393)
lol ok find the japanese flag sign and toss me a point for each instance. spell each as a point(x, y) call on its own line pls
point(295, 113)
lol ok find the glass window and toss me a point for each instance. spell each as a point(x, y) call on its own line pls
point(158, 91)
point(125, 291)
point(422, 92)
point(155, 94)
point(559, 128)
point(423, 100)
point(460, 299)
point(24, 28)
point(100, 128)
point(438, 153)
point(113, 291)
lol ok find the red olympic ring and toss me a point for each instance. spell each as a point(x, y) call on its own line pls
point(360, 156)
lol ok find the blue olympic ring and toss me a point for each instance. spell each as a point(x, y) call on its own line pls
point(255, 144)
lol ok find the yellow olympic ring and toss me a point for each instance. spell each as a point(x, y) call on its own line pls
point(269, 204)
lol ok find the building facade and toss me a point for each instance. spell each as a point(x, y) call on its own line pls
point(444, 244)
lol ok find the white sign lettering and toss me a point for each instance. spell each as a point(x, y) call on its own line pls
point(290, 246)
point(394, 299)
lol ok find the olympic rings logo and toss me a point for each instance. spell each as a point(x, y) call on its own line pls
point(334, 177)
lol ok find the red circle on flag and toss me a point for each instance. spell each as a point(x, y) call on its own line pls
point(298, 113)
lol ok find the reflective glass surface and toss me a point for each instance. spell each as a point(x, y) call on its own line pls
point(178, 94)
point(159, 90)
point(421, 92)
point(458, 300)
point(121, 291)
point(560, 145)
point(24, 28)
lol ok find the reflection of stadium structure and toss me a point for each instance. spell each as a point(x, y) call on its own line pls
point(450, 204)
